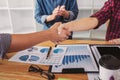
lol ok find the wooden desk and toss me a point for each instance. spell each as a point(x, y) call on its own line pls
point(19, 71)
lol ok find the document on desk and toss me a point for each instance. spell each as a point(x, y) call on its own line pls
point(77, 56)
point(38, 55)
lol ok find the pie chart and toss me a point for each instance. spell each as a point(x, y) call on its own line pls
point(24, 57)
point(58, 50)
point(44, 50)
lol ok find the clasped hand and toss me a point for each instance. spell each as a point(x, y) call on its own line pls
point(59, 33)
point(60, 11)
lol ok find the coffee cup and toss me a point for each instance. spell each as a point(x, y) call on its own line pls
point(109, 68)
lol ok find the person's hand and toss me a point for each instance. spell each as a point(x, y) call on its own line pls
point(63, 12)
point(55, 37)
point(115, 41)
point(56, 10)
point(53, 15)
point(62, 30)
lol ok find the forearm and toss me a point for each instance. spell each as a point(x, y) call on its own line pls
point(115, 41)
point(23, 41)
point(81, 24)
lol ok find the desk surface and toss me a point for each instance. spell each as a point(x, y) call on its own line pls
point(19, 71)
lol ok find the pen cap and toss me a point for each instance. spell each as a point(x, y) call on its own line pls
point(109, 62)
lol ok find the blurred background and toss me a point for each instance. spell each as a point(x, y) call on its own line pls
point(17, 16)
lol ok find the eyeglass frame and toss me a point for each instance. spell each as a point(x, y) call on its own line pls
point(36, 68)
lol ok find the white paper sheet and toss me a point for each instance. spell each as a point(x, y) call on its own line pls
point(38, 54)
point(77, 56)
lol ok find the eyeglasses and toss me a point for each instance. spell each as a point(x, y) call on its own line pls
point(43, 73)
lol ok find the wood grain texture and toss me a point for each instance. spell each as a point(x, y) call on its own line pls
point(19, 71)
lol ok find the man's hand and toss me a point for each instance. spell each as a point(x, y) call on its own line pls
point(53, 15)
point(62, 27)
point(62, 30)
point(55, 37)
point(115, 41)
point(56, 10)
point(63, 12)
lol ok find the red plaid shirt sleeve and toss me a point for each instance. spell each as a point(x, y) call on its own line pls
point(104, 13)
point(111, 11)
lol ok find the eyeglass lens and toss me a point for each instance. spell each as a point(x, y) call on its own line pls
point(45, 74)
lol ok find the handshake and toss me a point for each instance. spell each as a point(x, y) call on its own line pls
point(60, 32)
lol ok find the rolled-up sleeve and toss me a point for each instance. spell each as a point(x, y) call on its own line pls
point(104, 13)
point(73, 9)
point(5, 41)
point(40, 16)
point(71, 16)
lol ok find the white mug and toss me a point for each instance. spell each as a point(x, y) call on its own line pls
point(109, 68)
point(107, 74)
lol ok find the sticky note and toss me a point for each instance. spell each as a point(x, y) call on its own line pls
point(64, 79)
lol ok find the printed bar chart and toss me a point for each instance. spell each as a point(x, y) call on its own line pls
point(77, 56)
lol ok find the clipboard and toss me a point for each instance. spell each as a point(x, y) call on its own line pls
point(78, 59)
point(69, 70)
point(96, 50)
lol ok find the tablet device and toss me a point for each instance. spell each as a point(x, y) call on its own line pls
point(100, 50)
point(115, 51)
